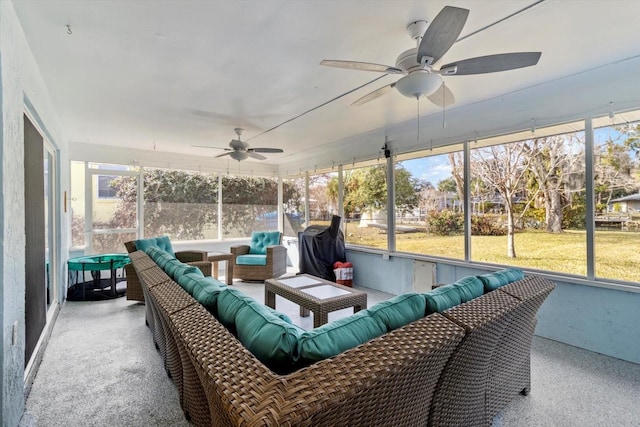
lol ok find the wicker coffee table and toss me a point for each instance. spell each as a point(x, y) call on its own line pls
point(314, 294)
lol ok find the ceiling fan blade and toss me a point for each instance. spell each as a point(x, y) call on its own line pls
point(266, 150)
point(361, 66)
point(375, 94)
point(256, 155)
point(223, 154)
point(209, 146)
point(491, 63)
point(443, 97)
point(442, 33)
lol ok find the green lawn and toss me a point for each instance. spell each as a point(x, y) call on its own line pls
point(617, 254)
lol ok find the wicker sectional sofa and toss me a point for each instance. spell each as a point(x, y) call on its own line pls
point(459, 367)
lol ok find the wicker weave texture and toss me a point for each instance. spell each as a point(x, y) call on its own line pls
point(466, 374)
point(134, 288)
point(389, 381)
point(170, 299)
point(511, 367)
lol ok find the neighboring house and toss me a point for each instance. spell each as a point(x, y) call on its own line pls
point(628, 204)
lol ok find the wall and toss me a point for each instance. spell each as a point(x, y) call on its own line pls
point(594, 318)
point(11, 223)
point(393, 275)
point(21, 89)
point(598, 319)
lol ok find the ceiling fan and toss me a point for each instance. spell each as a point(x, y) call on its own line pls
point(433, 41)
point(240, 150)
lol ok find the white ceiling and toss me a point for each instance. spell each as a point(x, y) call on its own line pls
point(166, 75)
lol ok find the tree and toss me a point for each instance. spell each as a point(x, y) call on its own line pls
point(457, 172)
point(407, 189)
point(551, 162)
point(502, 167)
point(366, 189)
point(613, 168)
point(447, 185)
point(632, 137)
point(177, 203)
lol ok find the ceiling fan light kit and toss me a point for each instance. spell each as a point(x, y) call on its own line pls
point(418, 84)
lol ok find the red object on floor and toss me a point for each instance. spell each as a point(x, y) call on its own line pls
point(343, 272)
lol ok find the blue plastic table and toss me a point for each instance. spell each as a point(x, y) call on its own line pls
point(95, 264)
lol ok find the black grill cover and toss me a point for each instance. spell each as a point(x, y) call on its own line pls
point(320, 247)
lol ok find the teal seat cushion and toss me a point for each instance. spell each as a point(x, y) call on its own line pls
point(493, 281)
point(175, 269)
point(261, 239)
point(161, 242)
point(251, 260)
point(338, 336)
point(442, 298)
point(271, 339)
point(469, 288)
point(399, 310)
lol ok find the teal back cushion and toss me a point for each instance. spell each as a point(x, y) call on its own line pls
point(189, 281)
point(206, 291)
point(493, 281)
point(161, 242)
point(270, 338)
point(442, 298)
point(261, 239)
point(269, 335)
point(163, 259)
point(278, 314)
point(338, 336)
point(514, 274)
point(159, 256)
point(229, 303)
point(399, 310)
point(175, 269)
point(469, 288)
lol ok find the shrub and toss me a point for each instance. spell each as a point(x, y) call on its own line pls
point(484, 225)
point(445, 223)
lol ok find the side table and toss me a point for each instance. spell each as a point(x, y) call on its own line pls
point(216, 257)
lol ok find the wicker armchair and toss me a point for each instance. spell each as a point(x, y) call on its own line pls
point(266, 246)
point(193, 257)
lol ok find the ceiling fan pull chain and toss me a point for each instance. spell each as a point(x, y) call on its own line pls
point(444, 108)
point(418, 101)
